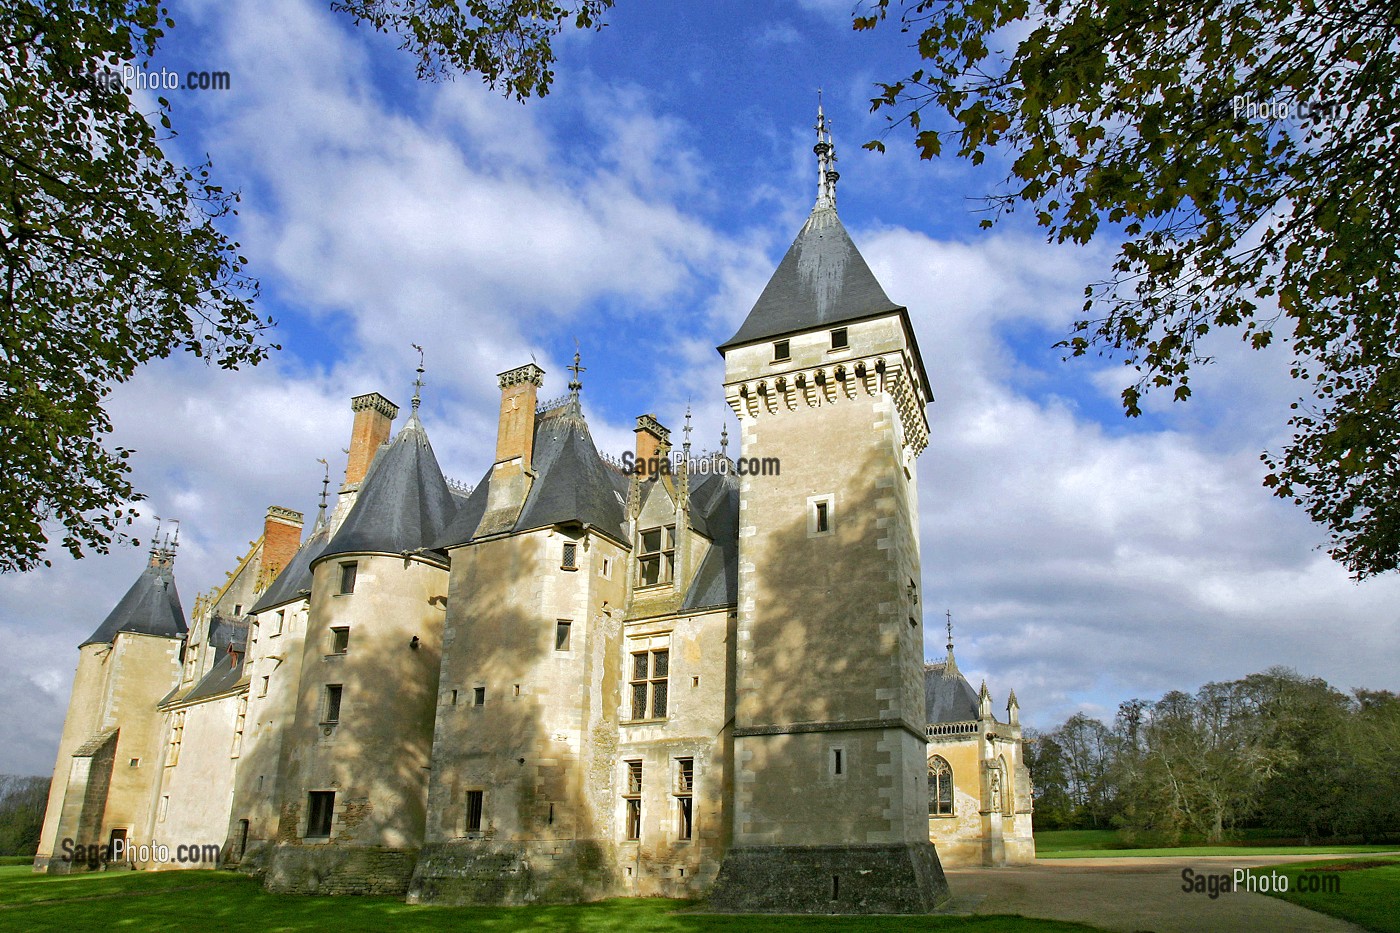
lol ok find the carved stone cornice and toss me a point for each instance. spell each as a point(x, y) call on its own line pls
point(831, 384)
point(373, 401)
point(527, 373)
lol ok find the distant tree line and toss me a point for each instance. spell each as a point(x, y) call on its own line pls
point(22, 802)
point(1273, 751)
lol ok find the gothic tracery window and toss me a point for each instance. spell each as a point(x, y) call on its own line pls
point(940, 787)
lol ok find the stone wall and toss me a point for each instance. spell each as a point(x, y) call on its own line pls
point(329, 869)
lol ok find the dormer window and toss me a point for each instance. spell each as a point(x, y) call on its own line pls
point(657, 560)
point(782, 350)
point(839, 339)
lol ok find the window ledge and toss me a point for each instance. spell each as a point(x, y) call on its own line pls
point(645, 722)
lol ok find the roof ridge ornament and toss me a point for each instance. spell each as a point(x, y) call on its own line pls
point(418, 383)
point(827, 176)
point(576, 384)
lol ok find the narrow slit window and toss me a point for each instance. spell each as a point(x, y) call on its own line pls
point(823, 517)
point(633, 800)
point(478, 696)
point(563, 632)
point(476, 800)
point(348, 572)
point(685, 790)
point(332, 710)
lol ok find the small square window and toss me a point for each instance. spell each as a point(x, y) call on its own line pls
point(570, 559)
point(135, 762)
point(348, 571)
point(782, 350)
point(563, 631)
point(478, 696)
point(839, 340)
point(333, 695)
point(340, 640)
point(320, 806)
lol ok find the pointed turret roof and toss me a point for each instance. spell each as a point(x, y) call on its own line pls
point(572, 483)
point(150, 607)
point(403, 503)
point(823, 280)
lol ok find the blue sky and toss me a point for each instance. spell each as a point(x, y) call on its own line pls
point(639, 210)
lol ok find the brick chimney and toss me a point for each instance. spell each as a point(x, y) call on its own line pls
point(515, 444)
point(281, 538)
point(653, 442)
point(374, 416)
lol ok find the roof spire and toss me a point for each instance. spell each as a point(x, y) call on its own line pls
point(325, 487)
point(155, 542)
point(575, 384)
point(686, 431)
point(417, 383)
point(724, 440)
point(826, 162)
point(949, 614)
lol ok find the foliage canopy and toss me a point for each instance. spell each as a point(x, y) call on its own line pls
point(1242, 155)
point(109, 258)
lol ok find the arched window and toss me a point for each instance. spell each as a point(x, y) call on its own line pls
point(1008, 789)
point(940, 787)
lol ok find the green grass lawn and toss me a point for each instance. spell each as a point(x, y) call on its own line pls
point(211, 901)
point(1106, 843)
point(1369, 895)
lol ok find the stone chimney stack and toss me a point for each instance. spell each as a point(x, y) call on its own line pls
point(515, 435)
point(281, 538)
point(374, 416)
point(515, 444)
point(653, 443)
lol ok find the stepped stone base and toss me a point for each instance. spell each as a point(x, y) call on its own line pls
point(865, 879)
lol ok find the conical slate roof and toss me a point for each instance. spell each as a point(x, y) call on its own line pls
point(572, 483)
point(150, 607)
point(295, 579)
point(822, 281)
point(947, 694)
point(403, 504)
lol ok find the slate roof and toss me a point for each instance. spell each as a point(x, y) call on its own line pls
point(947, 694)
point(572, 484)
point(150, 607)
point(222, 677)
point(714, 512)
point(403, 503)
point(294, 581)
point(823, 280)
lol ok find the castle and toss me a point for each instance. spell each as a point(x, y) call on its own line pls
point(690, 676)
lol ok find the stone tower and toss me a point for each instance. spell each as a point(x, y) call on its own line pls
point(830, 784)
point(109, 754)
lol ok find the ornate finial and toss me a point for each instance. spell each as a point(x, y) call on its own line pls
point(325, 487)
point(949, 614)
point(418, 383)
point(171, 544)
point(155, 539)
point(724, 441)
point(686, 431)
point(575, 384)
point(826, 161)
